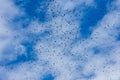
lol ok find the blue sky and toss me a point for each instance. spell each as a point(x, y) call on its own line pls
point(59, 40)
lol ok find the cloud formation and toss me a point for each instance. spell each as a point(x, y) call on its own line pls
point(59, 40)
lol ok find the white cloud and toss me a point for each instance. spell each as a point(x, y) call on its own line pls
point(56, 53)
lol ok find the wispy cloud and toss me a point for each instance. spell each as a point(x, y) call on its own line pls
point(59, 40)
